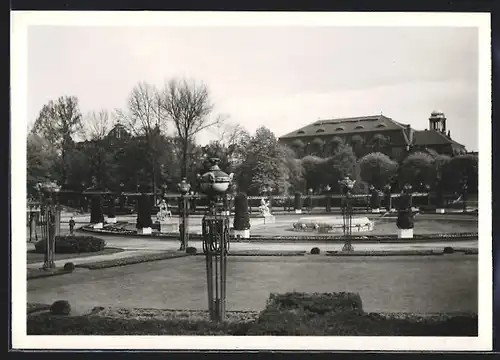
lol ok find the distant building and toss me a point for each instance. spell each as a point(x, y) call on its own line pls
point(373, 133)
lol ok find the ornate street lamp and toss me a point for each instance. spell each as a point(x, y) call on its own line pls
point(346, 186)
point(183, 187)
point(215, 228)
point(50, 217)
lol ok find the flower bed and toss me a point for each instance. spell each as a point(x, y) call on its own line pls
point(132, 260)
point(314, 238)
point(263, 253)
point(42, 273)
point(386, 253)
point(337, 314)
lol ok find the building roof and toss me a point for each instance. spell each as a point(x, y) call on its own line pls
point(432, 137)
point(346, 125)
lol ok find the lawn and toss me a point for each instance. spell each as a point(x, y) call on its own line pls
point(34, 257)
point(418, 284)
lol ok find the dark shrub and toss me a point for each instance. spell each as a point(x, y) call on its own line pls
point(318, 303)
point(405, 220)
point(69, 266)
point(328, 203)
point(298, 201)
point(241, 217)
point(448, 250)
point(144, 213)
point(405, 215)
point(315, 251)
point(60, 307)
point(96, 214)
point(111, 209)
point(374, 199)
point(72, 244)
point(191, 250)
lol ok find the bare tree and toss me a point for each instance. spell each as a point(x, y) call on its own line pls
point(146, 119)
point(97, 125)
point(58, 122)
point(187, 104)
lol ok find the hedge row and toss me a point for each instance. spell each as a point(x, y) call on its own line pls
point(263, 253)
point(72, 244)
point(289, 238)
point(132, 260)
point(322, 314)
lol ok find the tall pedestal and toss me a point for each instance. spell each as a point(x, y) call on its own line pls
point(215, 246)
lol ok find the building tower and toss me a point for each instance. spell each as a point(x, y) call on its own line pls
point(437, 122)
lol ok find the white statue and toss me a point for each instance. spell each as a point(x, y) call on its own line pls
point(164, 212)
point(264, 207)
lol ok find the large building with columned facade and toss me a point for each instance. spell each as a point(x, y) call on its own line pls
point(376, 133)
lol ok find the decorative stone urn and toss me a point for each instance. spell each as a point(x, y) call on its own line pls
point(215, 182)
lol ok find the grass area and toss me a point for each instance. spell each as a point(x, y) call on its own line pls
point(419, 284)
point(34, 257)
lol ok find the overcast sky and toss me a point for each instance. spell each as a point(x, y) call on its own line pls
point(280, 77)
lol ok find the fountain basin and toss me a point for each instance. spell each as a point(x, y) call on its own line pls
point(332, 224)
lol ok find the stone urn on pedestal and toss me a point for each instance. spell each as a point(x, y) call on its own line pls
point(405, 215)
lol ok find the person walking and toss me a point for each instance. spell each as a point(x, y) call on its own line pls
point(71, 225)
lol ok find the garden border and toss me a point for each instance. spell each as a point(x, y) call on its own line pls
point(393, 238)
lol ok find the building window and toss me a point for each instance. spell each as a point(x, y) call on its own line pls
point(380, 126)
point(359, 127)
point(320, 130)
point(340, 128)
point(301, 132)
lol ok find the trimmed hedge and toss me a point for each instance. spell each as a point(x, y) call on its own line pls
point(96, 214)
point(191, 250)
point(111, 209)
point(385, 253)
point(132, 260)
point(315, 251)
point(69, 266)
point(144, 212)
point(73, 244)
point(60, 307)
point(298, 201)
point(241, 217)
point(317, 303)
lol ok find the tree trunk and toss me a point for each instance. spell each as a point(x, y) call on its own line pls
point(184, 159)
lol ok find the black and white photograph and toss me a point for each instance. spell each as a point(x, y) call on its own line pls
point(285, 181)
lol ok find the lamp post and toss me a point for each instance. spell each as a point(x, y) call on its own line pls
point(346, 185)
point(183, 187)
point(215, 229)
point(50, 219)
point(310, 191)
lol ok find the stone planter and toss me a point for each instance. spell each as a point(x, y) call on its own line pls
point(440, 211)
point(111, 220)
point(298, 211)
point(243, 234)
point(376, 211)
point(144, 231)
point(405, 233)
point(97, 226)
